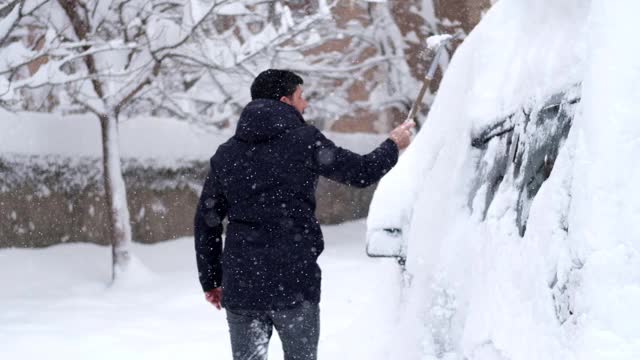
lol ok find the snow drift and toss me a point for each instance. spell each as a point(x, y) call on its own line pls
point(516, 201)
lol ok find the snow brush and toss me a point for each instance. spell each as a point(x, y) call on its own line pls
point(435, 44)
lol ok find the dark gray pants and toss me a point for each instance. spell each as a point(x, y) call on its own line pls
point(298, 328)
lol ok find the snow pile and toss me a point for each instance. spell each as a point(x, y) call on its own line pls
point(164, 141)
point(482, 288)
point(605, 204)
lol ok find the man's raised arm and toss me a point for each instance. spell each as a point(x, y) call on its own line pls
point(347, 167)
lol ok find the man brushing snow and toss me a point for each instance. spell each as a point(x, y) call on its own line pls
point(264, 179)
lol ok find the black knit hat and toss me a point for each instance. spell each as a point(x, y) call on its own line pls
point(274, 84)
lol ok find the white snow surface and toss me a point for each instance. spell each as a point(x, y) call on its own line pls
point(56, 303)
point(233, 8)
point(165, 141)
point(479, 291)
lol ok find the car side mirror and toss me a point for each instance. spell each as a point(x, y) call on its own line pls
point(386, 243)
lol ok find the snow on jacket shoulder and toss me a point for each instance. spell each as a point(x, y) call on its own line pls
point(264, 180)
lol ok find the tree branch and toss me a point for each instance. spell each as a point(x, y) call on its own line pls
point(81, 29)
point(127, 98)
point(4, 12)
point(193, 28)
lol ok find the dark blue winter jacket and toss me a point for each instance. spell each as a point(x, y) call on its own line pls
point(264, 180)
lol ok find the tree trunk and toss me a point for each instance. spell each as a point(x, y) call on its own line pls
point(119, 225)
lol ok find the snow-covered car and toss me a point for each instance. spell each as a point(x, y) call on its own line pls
point(515, 211)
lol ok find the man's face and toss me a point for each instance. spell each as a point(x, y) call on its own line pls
point(296, 100)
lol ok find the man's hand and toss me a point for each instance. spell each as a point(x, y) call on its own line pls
point(214, 297)
point(401, 135)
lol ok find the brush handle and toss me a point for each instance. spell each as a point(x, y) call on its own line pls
point(415, 108)
point(417, 104)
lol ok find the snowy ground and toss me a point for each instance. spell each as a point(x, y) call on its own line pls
point(55, 304)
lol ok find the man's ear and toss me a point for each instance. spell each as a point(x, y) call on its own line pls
point(285, 100)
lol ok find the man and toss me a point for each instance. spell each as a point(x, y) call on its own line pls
point(264, 179)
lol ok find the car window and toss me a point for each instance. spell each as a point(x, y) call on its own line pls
point(517, 153)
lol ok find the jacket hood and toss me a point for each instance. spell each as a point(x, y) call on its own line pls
point(263, 119)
